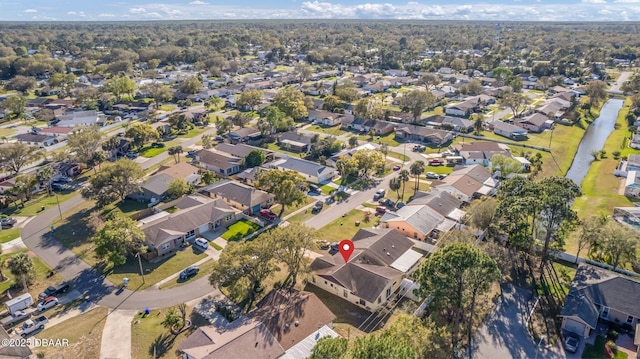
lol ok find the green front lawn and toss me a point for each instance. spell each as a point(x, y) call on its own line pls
point(275, 147)
point(596, 350)
point(398, 156)
point(167, 108)
point(83, 332)
point(149, 151)
point(41, 281)
point(239, 230)
point(334, 130)
point(34, 206)
point(290, 209)
point(149, 334)
point(441, 170)
point(345, 227)
point(6, 132)
point(194, 132)
point(205, 269)
point(326, 189)
point(7, 235)
point(388, 139)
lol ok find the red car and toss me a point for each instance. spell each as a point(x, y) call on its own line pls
point(266, 213)
point(396, 168)
point(436, 162)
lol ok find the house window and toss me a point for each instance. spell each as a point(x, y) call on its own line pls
point(191, 233)
point(605, 312)
point(229, 217)
point(362, 302)
point(388, 292)
point(345, 293)
point(165, 246)
point(630, 319)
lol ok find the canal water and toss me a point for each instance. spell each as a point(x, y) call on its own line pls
point(594, 139)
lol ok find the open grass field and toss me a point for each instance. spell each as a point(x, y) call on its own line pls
point(334, 131)
point(41, 281)
point(344, 227)
point(9, 234)
point(34, 206)
point(84, 333)
point(149, 151)
point(205, 270)
point(290, 209)
point(239, 230)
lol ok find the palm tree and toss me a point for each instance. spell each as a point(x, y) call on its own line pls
point(404, 177)
point(416, 169)
point(24, 186)
point(394, 185)
point(21, 266)
point(175, 151)
point(171, 320)
point(45, 174)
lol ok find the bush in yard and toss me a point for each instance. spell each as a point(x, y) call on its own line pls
point(616, 155)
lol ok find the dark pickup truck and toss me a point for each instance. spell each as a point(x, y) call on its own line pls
point(15, 318)
point(59, 288)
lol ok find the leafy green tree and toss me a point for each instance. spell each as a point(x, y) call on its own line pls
point(208, 177)
point(428, 81)
point(17, 155)
point(241, 119)
point(119, 237)
point(415, 102)
point(223, 126)
point(617, 244)
point(506, 165)
point(291, 102)
point(207, 141)
point(368, 160)
point(178, 188)
point(597, 91)
point(120, 85)
point(63, 82)
point(591, 233)
point(243, 267)
point(21, 266)
point(330, 348)
point(515, 101)
point(250, 98)
point(291, 245)
point(369, 108)
point(455, 277)
point(333, 103)
point(346, 91)
point(380, 346)
point(254, 158)
point(353, 141)
point(141, 133)
point(179, 121)
point(84, 142)
point(346, 166)
point(304, 71)
point(22, 84)
point(288, 187)
point(97, 158)
point(158, 92)
point(44, 115)
point(416, 169)
point(23, 187)
point(114, 182)
point(191, 86)
point(15, 105)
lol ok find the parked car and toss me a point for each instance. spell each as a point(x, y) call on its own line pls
point(189, 272)
point(55, 186)
point(379, 194)
point(324, 245)
point(329, 200)
point(317, 207)
point(334, 246)
point(314, 189)
point(419, 148)
point(571, 343)
point(53, 290)
point(431, 175)
point(436, 162)
point(266, 213)
point(131, 155)
point(15, 318)
point(191, 153)
point(219, 138)
point(389, 203)
point(47, 303)
point(201, 243)
point(400, 205)
point(381, 210)
point(396, 167)
point(7, 222)
point(32, 325)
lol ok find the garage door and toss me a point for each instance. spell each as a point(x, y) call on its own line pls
point(574, 326)
point(203, 228)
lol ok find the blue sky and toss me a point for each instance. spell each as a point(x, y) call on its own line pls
point(498, 10)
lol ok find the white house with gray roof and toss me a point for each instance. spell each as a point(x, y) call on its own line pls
point(311, 171)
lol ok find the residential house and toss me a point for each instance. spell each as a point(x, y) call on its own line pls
point(632, 184)
point(292, 316)
point(599, 294)
point(38, 102)
point(157, 186)
point(348, 152)
point(219, 162)
point(447, 122)
point(12, 351)
point(466, 183)
point(535, 122)
point(480, 152)
point(382, 128)
point(245, 198)
point(359, 124)
point(166, 232)
point(633, 162)
point(442, 202)
point(629, 216)
point(396, 73)
point(247, 134)
point(507, 130)
point(374, 272)
point(241, 150)
point(60, 132)
point(311, 171)
point(243, 338)
point(80, 118)
point(423, 134)
point(36, 140)
point(327, 118)
point(554, 108)
point(416, 221)
point(462, 109)
point(294, 141)
point(248, 176)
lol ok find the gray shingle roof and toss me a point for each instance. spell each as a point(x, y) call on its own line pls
point(423, 218)
point(158, 184)
point(441, 201)
point(302, 166)
point(246, 195)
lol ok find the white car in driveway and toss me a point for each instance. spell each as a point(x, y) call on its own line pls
point(47, 303)
point(201, 243)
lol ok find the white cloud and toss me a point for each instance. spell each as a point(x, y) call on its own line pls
point(76, 13)
point(137, 10)
point(31, 11)
point(594, 1)
point(627, 1)
point(106, 15)
point(198, 2)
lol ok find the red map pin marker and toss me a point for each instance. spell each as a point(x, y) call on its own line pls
point(346, 248)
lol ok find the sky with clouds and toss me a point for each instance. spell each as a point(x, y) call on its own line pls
point(492, 10)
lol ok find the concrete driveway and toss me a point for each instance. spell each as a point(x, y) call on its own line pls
point(504, 333)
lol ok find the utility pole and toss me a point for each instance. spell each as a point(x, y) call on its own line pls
point(140, 263)
point(58, 201)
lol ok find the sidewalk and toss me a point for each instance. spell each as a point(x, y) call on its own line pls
point(305, 208)
point(13, 245)
point(116, 335)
